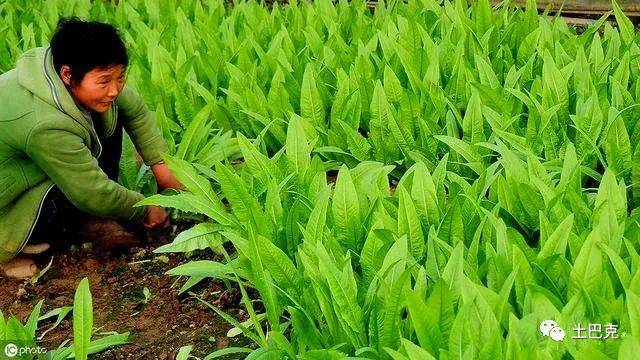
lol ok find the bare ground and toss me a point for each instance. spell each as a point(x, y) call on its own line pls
point(117, 279)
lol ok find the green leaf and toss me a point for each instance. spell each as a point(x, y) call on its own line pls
point(587, 268)
point(625, 25)
point(199, 186)
point(629, 348)
point(107, 342)
point(395, 355)
point(557, 241)
point(343, 288)
point(190, 203)
point(183, 353)
point(128, 165)
point(555, 83)
point(635, 176)
point(426, 320)
point(609, 193)
point(60, 313)
point(423, 191)
point(473, 123)
point(2, 325)
point(297, 148)
point(203, 268)
point(460, 340)
point(279, 266)
point(358, 145)
point(617, 145)
point(415, 352)
point(453, 271)
point(322, 354)
point(82, 320)
point(227, 351)
point(201, 236)
point(393, 306)
point(409, 224)
point(452, 225)
point(400, 135)
point(633, 307)
point(244, 205)
point(378, 125)
point(15, 331)
point(96, 346)
point(259, 164)
point(465, 150)
point(194, 133)
point(392, 86)
point(346, 211)
point(618, 264)
point(311, 106)
point(314, 231)
point(32, 321)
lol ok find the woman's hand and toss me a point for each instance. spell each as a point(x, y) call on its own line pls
point(156, 217)
point(164, 177)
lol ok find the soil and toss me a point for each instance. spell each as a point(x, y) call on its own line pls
point(117, 278)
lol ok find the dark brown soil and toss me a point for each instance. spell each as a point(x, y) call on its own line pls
point(158, 328)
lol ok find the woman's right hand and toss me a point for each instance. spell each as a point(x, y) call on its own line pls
point(156, 217)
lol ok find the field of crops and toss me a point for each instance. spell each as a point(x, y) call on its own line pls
point(426, 180)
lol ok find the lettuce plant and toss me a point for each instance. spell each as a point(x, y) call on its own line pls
point(13, 333)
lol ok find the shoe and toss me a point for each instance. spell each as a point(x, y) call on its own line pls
point(107, 233)
point(35, 249)
point(19, 268)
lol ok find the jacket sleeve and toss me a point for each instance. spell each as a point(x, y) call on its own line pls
point(140, 124)
point(64, 157)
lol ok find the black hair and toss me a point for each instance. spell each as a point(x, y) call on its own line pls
point(86, 45)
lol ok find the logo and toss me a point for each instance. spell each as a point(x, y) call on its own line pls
point(17, 348)
point(551, 329)
point(11, 350)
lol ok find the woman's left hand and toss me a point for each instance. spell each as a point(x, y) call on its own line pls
point(164, 177)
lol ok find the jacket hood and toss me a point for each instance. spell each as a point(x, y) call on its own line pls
point(36, 74)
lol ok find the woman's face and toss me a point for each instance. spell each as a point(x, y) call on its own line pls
point(99, 87)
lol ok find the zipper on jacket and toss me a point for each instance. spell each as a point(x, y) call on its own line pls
point(97, 139)
point(36, 220)
point(57, 101)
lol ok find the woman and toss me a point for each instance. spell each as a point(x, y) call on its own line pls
point(63, 110)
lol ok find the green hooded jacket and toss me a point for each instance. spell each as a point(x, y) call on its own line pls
point(45, 140)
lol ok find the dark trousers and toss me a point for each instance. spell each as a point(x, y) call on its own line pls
point(58, 216)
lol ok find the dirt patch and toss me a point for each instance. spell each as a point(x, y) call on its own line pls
point(117, 279)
